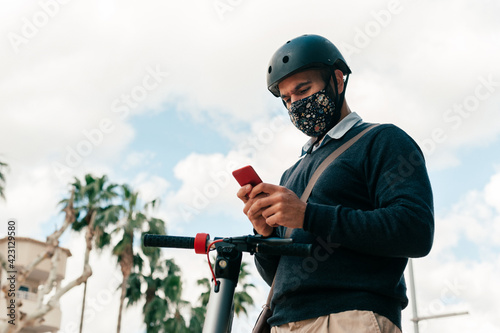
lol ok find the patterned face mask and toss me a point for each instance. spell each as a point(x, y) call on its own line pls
point(314, 115)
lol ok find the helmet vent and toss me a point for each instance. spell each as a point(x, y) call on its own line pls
point(285, 59)
point(270, 69)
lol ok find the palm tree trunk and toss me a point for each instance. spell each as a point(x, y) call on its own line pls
point(83, 305)
point(126, 263)
point(122, 300)
point(89, 236)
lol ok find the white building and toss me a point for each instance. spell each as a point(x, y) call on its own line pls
point(26, 250)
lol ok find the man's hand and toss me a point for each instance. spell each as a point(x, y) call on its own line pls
point(258, 221)
point(273, 205)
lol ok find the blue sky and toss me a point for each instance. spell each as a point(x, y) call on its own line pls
point(173, 137)
point(474, 172)
point(177, 92)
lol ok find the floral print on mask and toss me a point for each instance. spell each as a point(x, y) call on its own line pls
point(314, 115)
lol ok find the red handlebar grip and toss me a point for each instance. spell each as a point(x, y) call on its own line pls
point(200, 243)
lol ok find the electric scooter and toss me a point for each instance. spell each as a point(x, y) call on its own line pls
point(220, 310)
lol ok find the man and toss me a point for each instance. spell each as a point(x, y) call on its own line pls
point(369, 212)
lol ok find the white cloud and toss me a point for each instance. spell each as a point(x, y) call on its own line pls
point(212, 63)
point(475, 219)
point(492, 192)
point(103, 294)
point(208, 186)
point(462, 270)
point(30, 199)
point(138, 159)
point(150, 187)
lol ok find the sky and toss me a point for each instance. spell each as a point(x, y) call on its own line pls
point(170, 97)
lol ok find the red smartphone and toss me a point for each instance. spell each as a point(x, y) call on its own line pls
point(247, 175)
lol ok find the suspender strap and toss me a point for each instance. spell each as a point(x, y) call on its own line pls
point(336, 153)
point(305, 195)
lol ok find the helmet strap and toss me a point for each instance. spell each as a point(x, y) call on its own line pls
point(336, 97)
point(343, 91)
point(333, 92)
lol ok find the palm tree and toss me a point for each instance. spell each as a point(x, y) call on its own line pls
point(163, 303)
point(197, 319)
point(94, 195)
point(155, 307)
point(172, 287)
point(241, 298)
point(198, 313)
point(2, 179)
point(161, 287)
point(133, 220)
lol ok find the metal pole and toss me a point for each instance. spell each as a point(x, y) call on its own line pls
point(413, 297)
point(444, 315)
point(416, 318)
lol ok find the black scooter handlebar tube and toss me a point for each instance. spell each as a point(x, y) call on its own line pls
point(169, 241)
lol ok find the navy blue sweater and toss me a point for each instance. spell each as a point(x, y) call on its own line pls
point(370, 211)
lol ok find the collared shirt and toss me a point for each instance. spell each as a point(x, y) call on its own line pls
point(350, 121)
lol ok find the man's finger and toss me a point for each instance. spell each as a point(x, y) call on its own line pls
point(259, 204)
point(243, 193)
point(263, 188)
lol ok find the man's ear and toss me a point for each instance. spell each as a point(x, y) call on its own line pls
point(340, 80)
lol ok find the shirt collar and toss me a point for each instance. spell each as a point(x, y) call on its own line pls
point(338, 131)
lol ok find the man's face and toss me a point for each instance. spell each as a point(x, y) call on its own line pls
point(300, 85)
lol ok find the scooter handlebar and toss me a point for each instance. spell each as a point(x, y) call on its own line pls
point(254, 245)
point(168, 241)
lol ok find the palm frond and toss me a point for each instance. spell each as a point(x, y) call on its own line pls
point(133, 293)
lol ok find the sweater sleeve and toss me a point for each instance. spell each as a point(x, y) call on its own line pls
point(401, 222)
point(266, 266)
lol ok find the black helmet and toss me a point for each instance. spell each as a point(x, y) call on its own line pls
point(300, 53)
